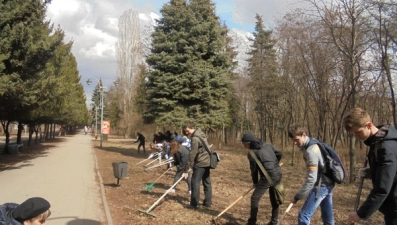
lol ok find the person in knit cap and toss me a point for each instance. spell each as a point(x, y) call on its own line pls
point(269, 157)
point(33, 211)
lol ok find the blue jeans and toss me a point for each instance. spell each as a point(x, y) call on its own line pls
point(324, 199)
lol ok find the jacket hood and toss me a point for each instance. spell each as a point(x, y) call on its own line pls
point(198, 133)
point(254, 142)
point(385, 132)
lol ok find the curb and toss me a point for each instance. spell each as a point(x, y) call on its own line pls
point(104, 201)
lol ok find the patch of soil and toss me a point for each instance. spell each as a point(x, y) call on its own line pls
point(230, 180)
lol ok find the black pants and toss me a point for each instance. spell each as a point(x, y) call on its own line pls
point(201, 174)
point(389, 211)
point(260, 189)
point(139, 147)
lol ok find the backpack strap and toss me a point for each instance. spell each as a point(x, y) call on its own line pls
point(203, 143)
point(252, 153)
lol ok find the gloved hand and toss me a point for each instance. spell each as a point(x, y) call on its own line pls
point(364, 173)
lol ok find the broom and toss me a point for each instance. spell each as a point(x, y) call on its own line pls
point(149, 187)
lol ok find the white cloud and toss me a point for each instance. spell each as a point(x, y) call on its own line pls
point(92, 25)
point(270, 10)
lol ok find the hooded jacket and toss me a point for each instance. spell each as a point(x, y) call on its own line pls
point(267, 154)
point(181, 157)
point(198, 154)
point(382, 158)
point(6, 214)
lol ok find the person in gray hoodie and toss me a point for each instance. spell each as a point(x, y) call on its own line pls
point(270, 157)
point(199, 162)
point(317, 187)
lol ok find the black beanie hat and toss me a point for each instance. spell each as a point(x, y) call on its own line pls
point(30, 208)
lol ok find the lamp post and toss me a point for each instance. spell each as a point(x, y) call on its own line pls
point(101, 104)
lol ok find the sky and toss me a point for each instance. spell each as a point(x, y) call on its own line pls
point(92, 25)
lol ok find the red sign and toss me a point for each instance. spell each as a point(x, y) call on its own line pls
point(106, 127)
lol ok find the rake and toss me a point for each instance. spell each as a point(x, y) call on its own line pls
point(285, 213)
point(149, 187)
point(233, 203)
point(161, 164)
point(147, 212)
point(150, 156)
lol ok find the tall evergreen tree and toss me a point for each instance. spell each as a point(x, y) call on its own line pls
point(263, 71)
point(27, 43)
point(190, 67)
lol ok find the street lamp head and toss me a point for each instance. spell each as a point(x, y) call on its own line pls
point(89, 82)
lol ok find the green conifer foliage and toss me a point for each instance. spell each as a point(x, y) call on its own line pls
point(190, 67)
point(263, 71)
point(26, 45)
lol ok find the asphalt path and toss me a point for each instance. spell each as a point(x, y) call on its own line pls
point(67, 177)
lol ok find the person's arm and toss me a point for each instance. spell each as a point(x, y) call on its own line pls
point(254, 169)
point(278, 153)
point(385, 173)
point(192, 154)
point(311, 155)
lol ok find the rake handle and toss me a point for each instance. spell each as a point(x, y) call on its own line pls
point(161, 164)
point(154, 204)
point(143, 161)
point(233, 203)
point(162, 175)
point(285, 213)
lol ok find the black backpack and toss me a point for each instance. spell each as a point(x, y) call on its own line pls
point(335, 170)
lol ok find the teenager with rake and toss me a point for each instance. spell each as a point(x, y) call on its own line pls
point(382, 159)
point(181, 156)
point(269, 157)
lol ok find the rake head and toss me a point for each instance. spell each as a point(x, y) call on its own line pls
point(149, 187)
point(146, 212)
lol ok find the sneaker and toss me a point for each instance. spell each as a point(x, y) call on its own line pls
point(172, 191)
point(207, 206)
point(192, 207)
point(190, 192)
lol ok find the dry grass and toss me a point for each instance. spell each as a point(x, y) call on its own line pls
point(230, 180)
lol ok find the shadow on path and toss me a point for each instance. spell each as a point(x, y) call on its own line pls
point(76, 221)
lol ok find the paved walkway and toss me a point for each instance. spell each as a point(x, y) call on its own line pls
point(67, 177)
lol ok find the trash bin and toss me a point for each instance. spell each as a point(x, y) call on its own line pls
point(119, 170)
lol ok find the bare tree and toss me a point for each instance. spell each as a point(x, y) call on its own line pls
point(129, 56)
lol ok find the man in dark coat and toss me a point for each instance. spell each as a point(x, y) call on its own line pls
point(269, 157)
point(199, 161)
point(382, 158)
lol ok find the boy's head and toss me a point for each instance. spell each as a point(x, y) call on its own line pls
point(358, 122)
point(33, 211)
point(188, 128)
point(297, 134)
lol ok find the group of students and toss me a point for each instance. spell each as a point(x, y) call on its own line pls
point(317, 187)
point(192, 162)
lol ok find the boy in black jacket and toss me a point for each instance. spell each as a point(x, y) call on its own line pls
point(269, 156)
point(382, 158)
